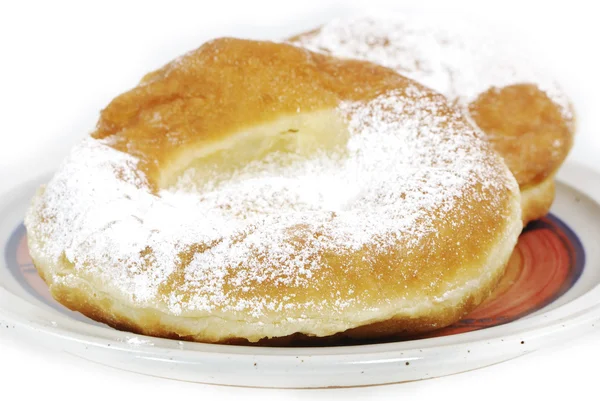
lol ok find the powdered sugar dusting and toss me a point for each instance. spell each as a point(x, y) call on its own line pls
point(402, 163)
point(456, 58)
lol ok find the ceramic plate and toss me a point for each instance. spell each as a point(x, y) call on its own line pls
point(549, 294)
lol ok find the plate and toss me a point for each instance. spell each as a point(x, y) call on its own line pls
point(550, 294)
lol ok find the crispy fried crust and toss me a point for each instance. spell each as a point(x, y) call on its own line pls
point(526, 128)
point(106, 309)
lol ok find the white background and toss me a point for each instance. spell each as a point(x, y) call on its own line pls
point(61, 62)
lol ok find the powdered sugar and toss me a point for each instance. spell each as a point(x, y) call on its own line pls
point(457, 58)
point(270, 221)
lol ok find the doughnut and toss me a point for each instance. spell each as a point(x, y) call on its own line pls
point(252, 192)
point(523, 113)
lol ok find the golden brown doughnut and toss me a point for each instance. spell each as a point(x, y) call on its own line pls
point(523, 113)
point(255, 190)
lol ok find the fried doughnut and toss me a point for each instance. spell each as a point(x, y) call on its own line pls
point(528, 119)
point(252, 190)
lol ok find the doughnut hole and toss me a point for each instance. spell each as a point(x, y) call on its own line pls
point(526, 127)
point(290, 137)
